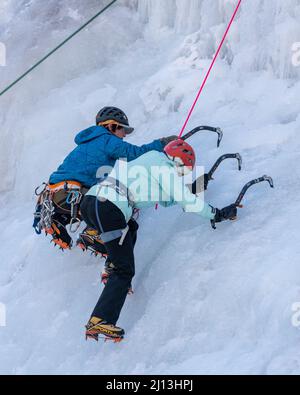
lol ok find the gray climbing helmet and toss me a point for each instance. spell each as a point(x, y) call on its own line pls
point(107, 114)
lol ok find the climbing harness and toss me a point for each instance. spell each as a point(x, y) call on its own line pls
point(48, 202)
point(121, 190)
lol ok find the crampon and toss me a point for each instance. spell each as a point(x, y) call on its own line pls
point(106, 339)
point(56, 240)
point(99, 329)
point(61, 244)
point(90, 241)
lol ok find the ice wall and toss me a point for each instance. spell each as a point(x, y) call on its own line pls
point(30, 29)
point(261, 39)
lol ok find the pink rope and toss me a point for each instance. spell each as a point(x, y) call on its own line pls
point(211, 66)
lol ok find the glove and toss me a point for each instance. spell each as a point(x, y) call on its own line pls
point(166, 140)
point(197, 186)
point(227, 213)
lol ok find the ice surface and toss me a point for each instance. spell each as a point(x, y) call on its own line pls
point(205, 301)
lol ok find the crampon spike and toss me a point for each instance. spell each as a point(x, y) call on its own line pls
point(82, 246)
point(92, 337)
point(114, 340)
point(106, 339)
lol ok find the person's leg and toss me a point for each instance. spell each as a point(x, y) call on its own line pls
point(114, 294)
point(87, 211)
point(61, 218)
point(109, 264)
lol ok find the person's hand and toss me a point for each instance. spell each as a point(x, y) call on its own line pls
point(200, 184)
point(166, 140)
point(227, 213)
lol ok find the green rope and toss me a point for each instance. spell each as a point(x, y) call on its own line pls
point(57, 48)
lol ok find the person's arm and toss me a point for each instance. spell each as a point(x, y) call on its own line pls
point(190, 203)
point(118, 149)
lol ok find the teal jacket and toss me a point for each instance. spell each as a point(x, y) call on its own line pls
point(151, 179)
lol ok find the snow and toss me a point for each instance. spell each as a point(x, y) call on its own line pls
point(205, 301)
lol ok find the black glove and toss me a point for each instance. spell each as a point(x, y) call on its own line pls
point(166, 140)
point(226, 213)
point(198, 184)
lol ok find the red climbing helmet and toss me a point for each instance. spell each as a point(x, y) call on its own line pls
point(182, 153)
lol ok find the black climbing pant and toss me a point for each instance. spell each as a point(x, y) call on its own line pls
point(111, 217)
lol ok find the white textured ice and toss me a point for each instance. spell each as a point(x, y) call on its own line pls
point(205, 302)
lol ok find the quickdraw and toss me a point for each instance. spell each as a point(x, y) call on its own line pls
point(44, 210)
point(73, 199)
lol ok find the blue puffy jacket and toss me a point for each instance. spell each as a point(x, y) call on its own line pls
point(97, 147)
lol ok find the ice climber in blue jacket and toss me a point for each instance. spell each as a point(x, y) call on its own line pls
point(97, 147)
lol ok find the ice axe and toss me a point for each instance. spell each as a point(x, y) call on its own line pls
point(204, 129)
point(243, 192)
point(220, 160)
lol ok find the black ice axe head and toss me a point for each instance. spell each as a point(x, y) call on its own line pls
point(245, 189)
point(221, 159)
point(204, 129)
point(249, 184)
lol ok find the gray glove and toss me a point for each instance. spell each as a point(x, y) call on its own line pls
point(166, 140)
point(200, 185)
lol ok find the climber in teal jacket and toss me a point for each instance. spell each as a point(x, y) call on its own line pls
point(155, 177)
point(147, 189)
